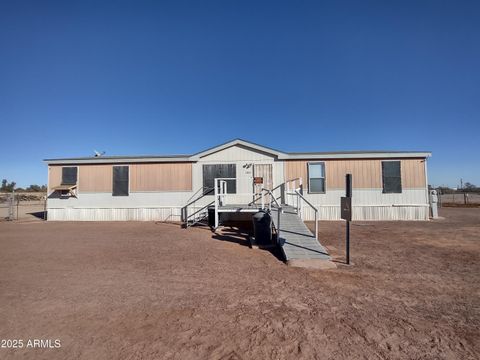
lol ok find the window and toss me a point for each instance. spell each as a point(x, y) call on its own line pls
point(69, 175)
point(316, 177)
point(391, 177)
point(210, 172)
point(120, 181)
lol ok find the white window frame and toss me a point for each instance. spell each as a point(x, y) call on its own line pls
point(324, 177)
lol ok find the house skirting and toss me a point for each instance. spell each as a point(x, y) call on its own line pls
point(326, 212)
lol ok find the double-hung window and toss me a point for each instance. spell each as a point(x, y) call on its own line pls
point(316, 177)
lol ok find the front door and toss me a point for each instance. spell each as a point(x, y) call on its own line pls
point(264, 171)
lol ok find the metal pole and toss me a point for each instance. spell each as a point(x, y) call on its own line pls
point(348, 193)
point(316, 225)
point(348, 243)
point(348, 185)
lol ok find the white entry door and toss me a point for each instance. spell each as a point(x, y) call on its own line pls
point(264, 171)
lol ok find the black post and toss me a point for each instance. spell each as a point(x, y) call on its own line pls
point(348, 243)
point(348, 185)
point(348, 191)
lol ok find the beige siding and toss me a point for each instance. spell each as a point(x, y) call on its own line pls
point(367, 174)
point(95, 178)
point(413, 173)
point(143, 177)
point(161, 177)
point(54, 176)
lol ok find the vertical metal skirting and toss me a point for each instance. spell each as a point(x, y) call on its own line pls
point(360, 213)
point(122, 214)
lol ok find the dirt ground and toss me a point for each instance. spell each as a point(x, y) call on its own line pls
point(153, 290)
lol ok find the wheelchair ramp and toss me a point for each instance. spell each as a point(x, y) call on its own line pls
point(298, 244)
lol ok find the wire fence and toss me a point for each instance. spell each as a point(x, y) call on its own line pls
point(460, 198)
point(17, 206)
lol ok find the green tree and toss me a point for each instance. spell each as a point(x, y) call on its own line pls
point(7, 187)
point(469, 186)
point(35, 188)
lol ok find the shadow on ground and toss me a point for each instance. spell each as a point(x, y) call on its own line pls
point(39, 214)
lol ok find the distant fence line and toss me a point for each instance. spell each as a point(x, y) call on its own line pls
point(14, 206)
point(459, 198)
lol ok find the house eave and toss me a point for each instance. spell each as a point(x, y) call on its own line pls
point(356, 155)
point(117, 160)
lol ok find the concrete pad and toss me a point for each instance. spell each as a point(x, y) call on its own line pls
point(318, 264)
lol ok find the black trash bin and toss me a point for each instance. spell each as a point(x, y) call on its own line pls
point(211, 217)
point(262, 228)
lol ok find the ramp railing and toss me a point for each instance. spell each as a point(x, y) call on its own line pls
point(272, 199)
point(301, 198)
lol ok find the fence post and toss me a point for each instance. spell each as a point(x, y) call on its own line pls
point(18, 201)
point(10, 207)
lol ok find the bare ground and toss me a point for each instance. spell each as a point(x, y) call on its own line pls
point(146, 290)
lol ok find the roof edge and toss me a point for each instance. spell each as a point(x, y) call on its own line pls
point(118, 160)
point(359, 155)
point(234, 142)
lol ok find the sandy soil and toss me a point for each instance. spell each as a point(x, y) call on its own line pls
point(146, 290)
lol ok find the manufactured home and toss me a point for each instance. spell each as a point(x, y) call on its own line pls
point(387, 185)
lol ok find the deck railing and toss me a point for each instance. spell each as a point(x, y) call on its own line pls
point(291, 190)
point(198, 195)
point(220, 187)
point(291, 186)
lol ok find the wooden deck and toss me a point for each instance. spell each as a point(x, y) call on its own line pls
point(296, 241)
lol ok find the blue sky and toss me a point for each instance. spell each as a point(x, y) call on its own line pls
point(169, 77)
